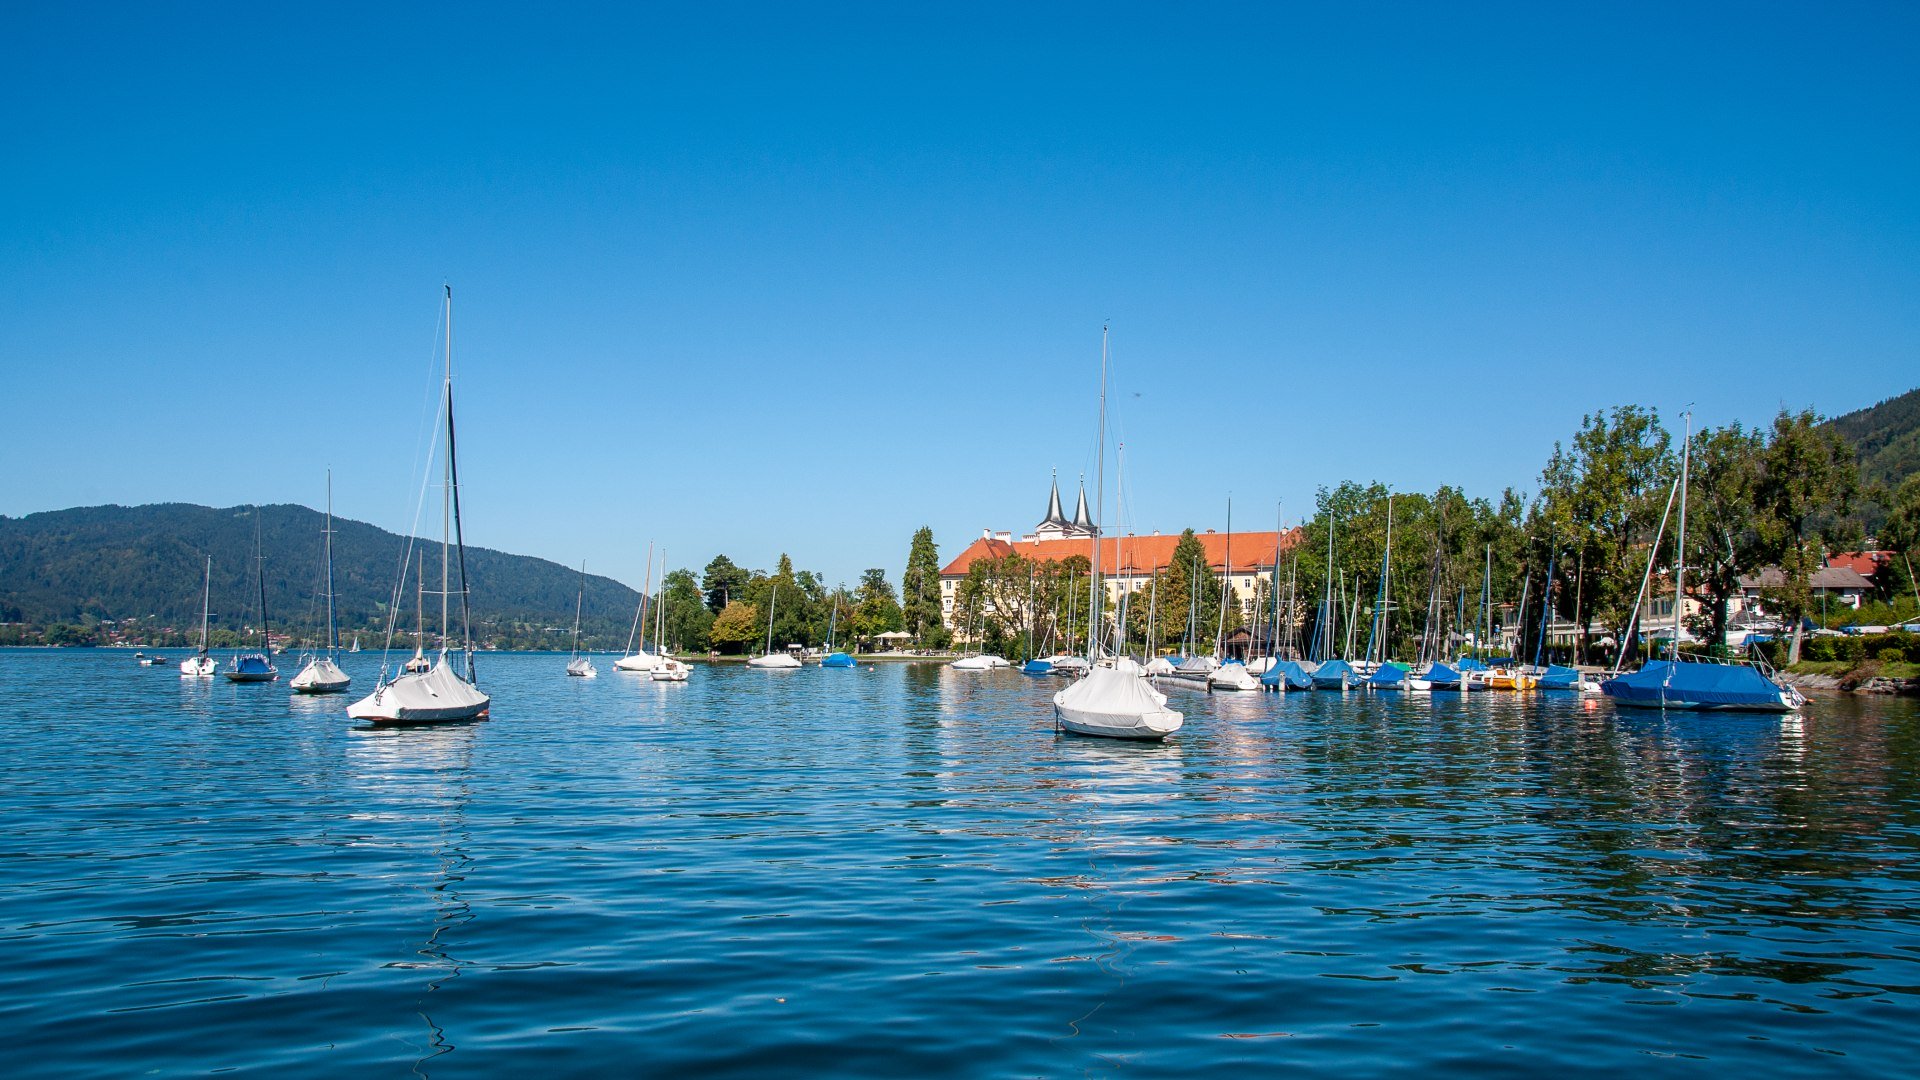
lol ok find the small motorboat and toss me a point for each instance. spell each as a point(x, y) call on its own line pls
point(670, 670)
point(979, 662)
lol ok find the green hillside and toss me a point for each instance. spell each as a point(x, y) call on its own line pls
point(1886, 437)
point(118, 562)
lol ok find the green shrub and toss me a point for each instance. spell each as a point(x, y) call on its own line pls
point(1892, 655)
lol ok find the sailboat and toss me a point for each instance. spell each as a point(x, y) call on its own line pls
point(321, 675)
point(577, 665)
point(440, 694)
point(1113, 702)
point(835, 659)
point(200, 665)
point(1231, 674)
point(256, 667)
point(771, 659)
point(1694, 685)
point(641, 660)
point(668, 669)
point(1329, 673)
point(355, 647)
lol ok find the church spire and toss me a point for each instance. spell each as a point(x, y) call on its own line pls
point(1055, 516)
point(1082, 521)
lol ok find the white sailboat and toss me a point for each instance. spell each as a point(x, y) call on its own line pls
point(771, 659)
point(668, 669)
point(440, 694)
point(256, 667)
point(641, 660)
point(200, 665)
point(1114, 702)
point(321, 675)
point(579, 666)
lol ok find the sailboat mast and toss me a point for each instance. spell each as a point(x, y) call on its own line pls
point(453, 485)
point(773, 602)
point(419, 603)
point(206, 604)
point(333, 631)
point(446, 480)
point(260, 556)
point(659, 607)
point(1486, 605)
point(1100, 508)
point(579, 600)
point(1226, 589)
point(1680, 553)
point(646, 582)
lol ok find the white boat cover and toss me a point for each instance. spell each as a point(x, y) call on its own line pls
point(979, 663)
point(1159, 665)
point(433, 697)
point(1117, 703)
point(321, 676)
point(671, 670)
point(418, 661)
point(581, 667)
point(774, 660)
point(640, 661)
point(1259, 665)
point(202, 667)
point(1234, 675)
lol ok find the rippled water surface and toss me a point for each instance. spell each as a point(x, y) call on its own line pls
point(906, 871)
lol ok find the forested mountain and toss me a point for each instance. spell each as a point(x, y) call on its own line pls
point(1886, 437)
point(120, 562)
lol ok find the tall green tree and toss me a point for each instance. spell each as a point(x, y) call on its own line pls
point(920, 591)
point(876, 608)
point(1721, 538)
point(1608, 490)
point(723, 582)
point(1807, 484)
point(687, 617)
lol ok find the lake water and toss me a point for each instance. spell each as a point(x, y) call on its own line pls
point(906, 871)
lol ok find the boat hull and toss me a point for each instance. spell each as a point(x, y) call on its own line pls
point(1150, 727)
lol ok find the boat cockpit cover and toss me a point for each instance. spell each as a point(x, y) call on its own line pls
point(1709, 684)
point(1468, 663)
point(1333, 671)
point(1558, 676)
point(1295, 676)
point(1441, 673)
point(1389, 675)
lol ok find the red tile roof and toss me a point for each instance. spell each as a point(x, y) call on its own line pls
point(1864, 563)
point(1143, 554)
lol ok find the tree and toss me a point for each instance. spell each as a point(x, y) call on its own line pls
point(1807, 484)
point(687, 618)
point(920, 591)
point(723, 582)
point(876, 610)
point(736, 628)
point(1607, 492)
point(1721, 539)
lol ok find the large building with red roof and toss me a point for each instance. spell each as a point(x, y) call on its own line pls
point(1127, 563)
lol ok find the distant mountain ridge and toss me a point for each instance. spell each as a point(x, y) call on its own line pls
point(117, 562)
point(1885, 438)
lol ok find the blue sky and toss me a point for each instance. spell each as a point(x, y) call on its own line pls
point(756, 279)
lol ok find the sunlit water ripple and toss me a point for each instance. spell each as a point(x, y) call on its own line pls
point(906, 871)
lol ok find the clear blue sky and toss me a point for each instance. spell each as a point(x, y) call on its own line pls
point(762, 279)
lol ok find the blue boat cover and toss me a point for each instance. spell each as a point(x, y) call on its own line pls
point(1296, 676)
point(1442, 675)
point(838, 659)
point(1559, 678)
point(1037, 667)
point(1468, 663)
point(1332, 674)
point(1685, 684)
point(1389, 677)
point(252, 664)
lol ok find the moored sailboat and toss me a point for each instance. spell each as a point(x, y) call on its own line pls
point(770, 659)
point(579, 666)
point(440, 694)
point(322, 675)
point(256, 667)
point(1111, 702)
point(200, 665)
